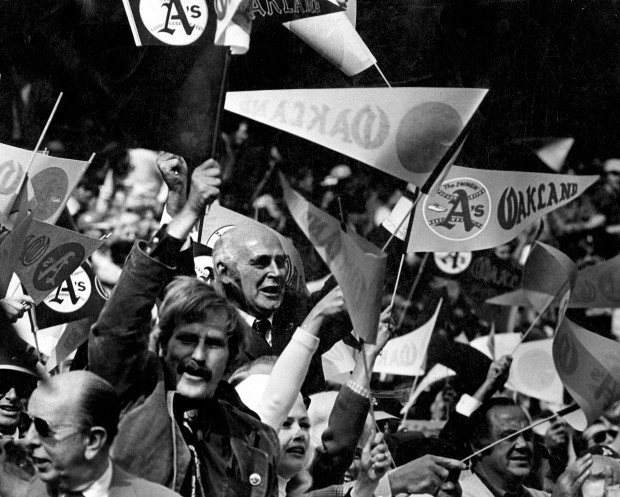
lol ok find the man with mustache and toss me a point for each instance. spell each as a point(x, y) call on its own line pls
point(181, 424)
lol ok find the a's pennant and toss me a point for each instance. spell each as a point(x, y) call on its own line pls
point(218, 221)
point(357, 265)
point(477, 209)
point(404, 132)
point(406, 355)
point(80, 295)
point(588, 366)
point(49, 255)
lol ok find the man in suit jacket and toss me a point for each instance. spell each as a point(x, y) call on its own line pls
point(74, 418)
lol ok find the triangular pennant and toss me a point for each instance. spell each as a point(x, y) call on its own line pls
point(597, 286)
point(406, 355)
point(291, 10)
point(79, 296)
point(477, 209)
point(554, 154)
point(74, 335)
point(437, 373)
point(505, 343)
point(357, 265)
point(10, 250)
point(404, 132)
point(588, 366)
point(338, 362)
point(49, 255)
point(218, 221)
point(334, 37)
point(53, 179)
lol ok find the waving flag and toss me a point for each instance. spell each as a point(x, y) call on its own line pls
point(357, 265)
point(588, 366)
point(404, 132)
point(598, 285)
point(234, 24)
point(476, 209)
point(406, 355)
point(554, 154)
point(334, 37)
point(49, 255)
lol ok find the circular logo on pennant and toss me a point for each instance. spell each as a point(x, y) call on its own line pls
point(174, 22)
point(425, 134)
point(34, 248)
point(57, 265)
point(452, 262)
point(72, 294)
point(50, 187)
point(459, 210)
point(10, 174)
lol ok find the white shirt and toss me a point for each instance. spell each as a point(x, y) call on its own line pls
point(100, 487)
point(250, 320)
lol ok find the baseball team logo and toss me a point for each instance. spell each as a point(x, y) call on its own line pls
point(459, 210)
point(72, 294)
point(57, 265)
point(174, 22)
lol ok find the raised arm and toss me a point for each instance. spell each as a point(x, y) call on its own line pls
point(118, 343)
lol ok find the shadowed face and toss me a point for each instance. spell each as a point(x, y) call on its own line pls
point(197, 354)
point(510, 461)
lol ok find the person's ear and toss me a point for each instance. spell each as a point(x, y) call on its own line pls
point(225, 273)
point(97, 438)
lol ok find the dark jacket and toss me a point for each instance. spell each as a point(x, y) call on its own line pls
point(150, 443)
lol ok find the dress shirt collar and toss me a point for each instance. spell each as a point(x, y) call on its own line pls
point(249, 319)
point(100, 487)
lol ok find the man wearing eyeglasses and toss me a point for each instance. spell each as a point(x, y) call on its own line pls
point(73, 421)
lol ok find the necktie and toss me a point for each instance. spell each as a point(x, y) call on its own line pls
point(262, 327)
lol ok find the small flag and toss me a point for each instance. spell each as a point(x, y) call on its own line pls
point(357, 265)
point(234, 25)
point(49, 255)
point(404, 132)
point(406, 355)
point(554, 154)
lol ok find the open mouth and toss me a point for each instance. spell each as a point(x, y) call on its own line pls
point(270, 290)
point(40, 463)
point(520, 458)
point(297, 450)
point(10, 410)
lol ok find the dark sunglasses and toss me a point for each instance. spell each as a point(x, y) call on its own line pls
point(23, 388)
point(44, 430)
point(601, 436)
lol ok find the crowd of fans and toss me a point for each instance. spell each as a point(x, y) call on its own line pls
point(216, 388)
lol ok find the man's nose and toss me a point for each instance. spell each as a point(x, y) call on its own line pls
point(32, 436)
point(274, 268)
point(199, 353)
point(11, 394)
point(521, 442)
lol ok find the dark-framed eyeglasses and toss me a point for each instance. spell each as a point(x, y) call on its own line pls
point(46, 431)
point(601, 436)
point(23, 387)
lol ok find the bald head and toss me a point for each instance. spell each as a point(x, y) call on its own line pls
point(250, 269)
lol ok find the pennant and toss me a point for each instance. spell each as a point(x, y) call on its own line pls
point(404, 132)
point(505, 343)
point(12, 176)
point(532, 372)
point(53, 179)
point(437, 373)
point(74, 335)
point(49, 255)
point(334, 37)
point(554, 154)
point(477, 209)
point(169, 22)
point(218, 221)
point(338, 362)
point(234, 24)
point(10, 248)
point(588, 366)
point(80, 295)
point(291, 10)
point(406, 355)
point(357, 265)
point(549, 277)
point(597, 286)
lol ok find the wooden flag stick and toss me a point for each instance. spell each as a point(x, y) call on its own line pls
point(524, 336)
point(47, 125)
point(561, 412)
point(401, 318)
point(415, 202)
point(383, 76)
point(35, 328)
point(400, 268)
point(217, 124)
